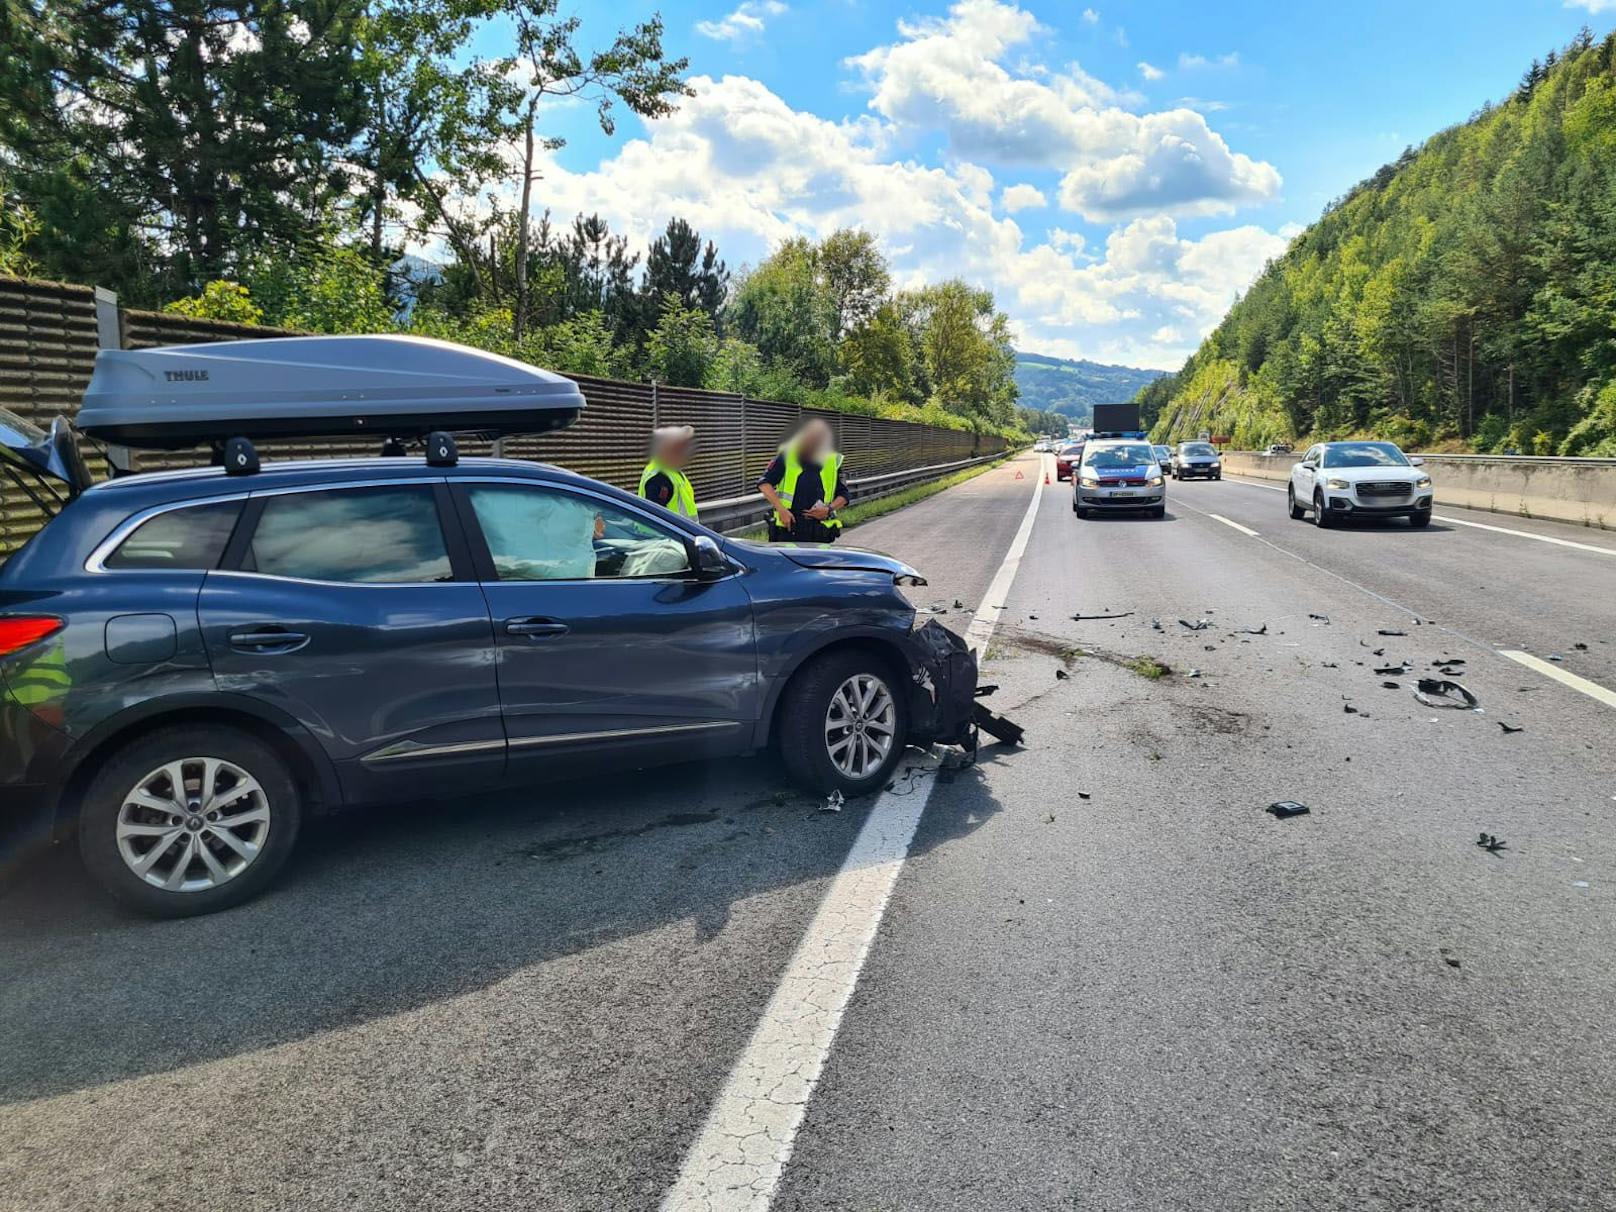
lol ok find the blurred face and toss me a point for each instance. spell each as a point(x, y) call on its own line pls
point(815, 440)
point(674, 453)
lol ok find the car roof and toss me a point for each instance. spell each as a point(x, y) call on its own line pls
point(202, 482)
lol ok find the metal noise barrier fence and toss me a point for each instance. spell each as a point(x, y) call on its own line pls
point(50, 332)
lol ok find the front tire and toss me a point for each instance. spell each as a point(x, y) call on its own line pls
point(1423, 518)
point(844, 724)
point(1297, 512)
point(1321, 515)
point(189, 820)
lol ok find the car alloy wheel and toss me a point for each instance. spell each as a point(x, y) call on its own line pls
point(1321, 515)
point(860, 725)
point(193, 825)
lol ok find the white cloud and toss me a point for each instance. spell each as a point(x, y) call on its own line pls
point(1193, 62)
point(1091, 17)
point(948, 74)
point(1149, 72)
point(748, 170)
point(1593, 6)
point(1175, 164)
point(1022, 197)
point(748, 20)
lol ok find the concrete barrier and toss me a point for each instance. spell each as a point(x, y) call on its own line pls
point(1581, 491)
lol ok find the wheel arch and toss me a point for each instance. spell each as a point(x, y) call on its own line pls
point(312, 771)
point(882, 648)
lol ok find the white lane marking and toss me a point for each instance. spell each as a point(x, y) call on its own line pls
point(1445, 517)
point(736, 1161)
point(1592, 689)
point(1218, 517)
point(987, 615)
point(1526, 534)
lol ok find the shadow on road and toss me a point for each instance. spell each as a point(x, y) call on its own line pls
point(384, 910)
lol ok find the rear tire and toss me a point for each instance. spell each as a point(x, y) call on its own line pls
point(821, 752)
point(190, 859)
point(1297, 512)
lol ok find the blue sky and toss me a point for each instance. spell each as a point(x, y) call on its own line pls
point(1116, 172)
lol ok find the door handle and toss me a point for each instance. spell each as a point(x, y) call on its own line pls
point(268, 640)
point(538, 628)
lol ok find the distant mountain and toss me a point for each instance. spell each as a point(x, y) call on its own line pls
point(1073, 387)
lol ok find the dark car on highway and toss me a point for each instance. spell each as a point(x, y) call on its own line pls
point(191, 662)
point(1196, 459)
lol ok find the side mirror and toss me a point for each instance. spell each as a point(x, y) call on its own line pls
point(1416, 461)
point(1308, 463)
point(709, 561)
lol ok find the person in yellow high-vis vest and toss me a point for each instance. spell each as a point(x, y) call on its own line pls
point(664, 480)
point(804, 488)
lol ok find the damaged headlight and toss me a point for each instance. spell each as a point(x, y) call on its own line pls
point(908, 578)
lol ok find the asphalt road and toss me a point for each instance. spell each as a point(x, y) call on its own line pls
point(1106, 979)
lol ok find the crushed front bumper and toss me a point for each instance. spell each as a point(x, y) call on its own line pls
point(942, 693)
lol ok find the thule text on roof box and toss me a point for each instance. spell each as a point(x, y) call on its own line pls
point(401, 387)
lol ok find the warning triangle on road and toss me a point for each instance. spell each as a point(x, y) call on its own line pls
point(1019, 476)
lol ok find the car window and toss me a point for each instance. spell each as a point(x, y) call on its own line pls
point(1118, 458)
point(371, 536)
point(189, 538)
point(544, 534)
point(1312, 455)
point(1196, 450)
point(1364, 454)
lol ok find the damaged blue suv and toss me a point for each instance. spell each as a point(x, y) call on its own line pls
point(191, 662)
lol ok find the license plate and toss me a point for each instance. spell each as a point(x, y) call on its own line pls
point(1116, 495)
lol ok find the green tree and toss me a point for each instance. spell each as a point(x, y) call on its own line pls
point(784, 309)
point(855, 274)
point(682, 346)
point(219, 300)
point(210, 128)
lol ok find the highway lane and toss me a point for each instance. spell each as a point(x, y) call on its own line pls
point(1160, 997)
point(1156, 997)
point(523, 1001)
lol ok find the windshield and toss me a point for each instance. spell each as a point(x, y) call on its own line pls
point(1197, 450)
point(1364, 454)
point(1075, 449)
point(1118, 458)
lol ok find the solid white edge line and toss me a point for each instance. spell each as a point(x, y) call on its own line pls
point(1218, 517)
point(1526, 534)
point(735, 1162)
point(1592, 689)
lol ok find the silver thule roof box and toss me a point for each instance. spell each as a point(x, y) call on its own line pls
point(397, 387)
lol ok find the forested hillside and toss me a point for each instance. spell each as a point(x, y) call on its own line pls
point(1073, 387)
point(1464, 296)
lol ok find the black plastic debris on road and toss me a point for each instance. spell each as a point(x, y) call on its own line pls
point(1061, 675)
point(1349, 709)
point(1392, 670)
point(1198, 625)
point(1391, 685)
point(833, 802)
point(1491, 844)
point(1263, 630)
point(1282, 809)
point(1319, 618)
point(1439, 692)
point(1509, 728)
point(1390, 631)
point(1126, 614)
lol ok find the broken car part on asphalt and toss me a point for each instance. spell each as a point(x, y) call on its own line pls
point(1439, 692)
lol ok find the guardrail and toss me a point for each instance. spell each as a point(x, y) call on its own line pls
point(734, 514)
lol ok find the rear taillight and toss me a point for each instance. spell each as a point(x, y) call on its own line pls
point(16, 633)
